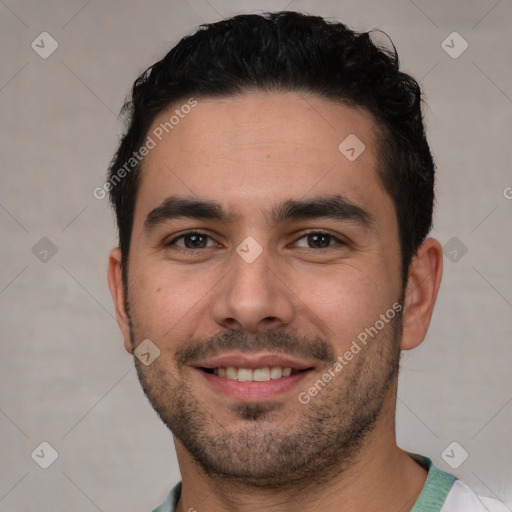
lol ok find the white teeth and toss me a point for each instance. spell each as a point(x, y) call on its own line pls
point(257, 375)
point(231, 373)
point(276, 372)
point(244, 375)
point(260, 374)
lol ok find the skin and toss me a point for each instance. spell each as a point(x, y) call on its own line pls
point(250, 153)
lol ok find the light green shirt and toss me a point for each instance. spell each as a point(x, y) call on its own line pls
point(431, 499)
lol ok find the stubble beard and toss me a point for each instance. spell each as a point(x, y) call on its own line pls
point(264, 450)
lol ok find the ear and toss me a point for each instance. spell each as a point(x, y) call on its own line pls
point(116, 285)
point(423, 284)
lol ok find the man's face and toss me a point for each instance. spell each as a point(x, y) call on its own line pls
point(298, 258)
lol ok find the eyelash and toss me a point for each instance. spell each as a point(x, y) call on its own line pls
point(304, 235)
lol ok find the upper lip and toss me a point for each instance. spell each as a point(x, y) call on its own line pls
point(252, 361)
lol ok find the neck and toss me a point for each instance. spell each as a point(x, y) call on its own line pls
point(380, 477)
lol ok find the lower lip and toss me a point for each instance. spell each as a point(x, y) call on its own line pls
point(253, 391)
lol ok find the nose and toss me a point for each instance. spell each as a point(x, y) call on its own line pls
point(252, 296)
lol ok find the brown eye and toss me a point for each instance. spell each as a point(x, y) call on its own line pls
point(193, 240)
point(318, 240)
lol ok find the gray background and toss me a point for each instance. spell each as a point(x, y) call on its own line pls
point(65, 377)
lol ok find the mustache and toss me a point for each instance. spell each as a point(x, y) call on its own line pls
point(273, 340)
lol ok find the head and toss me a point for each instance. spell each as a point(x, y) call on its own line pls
point(290, 52)
point(243, 126)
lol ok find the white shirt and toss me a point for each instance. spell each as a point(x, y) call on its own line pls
point(442, 492)
point(462, 499)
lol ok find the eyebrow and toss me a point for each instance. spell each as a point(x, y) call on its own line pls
point(175, 207)
point(334, 207)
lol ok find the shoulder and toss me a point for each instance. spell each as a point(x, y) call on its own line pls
point(443, 492)
point(463, 499)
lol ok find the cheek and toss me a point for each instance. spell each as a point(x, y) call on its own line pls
point(164, 304)
point(347, 301)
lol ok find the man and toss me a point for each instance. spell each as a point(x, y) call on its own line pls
point(274, 193)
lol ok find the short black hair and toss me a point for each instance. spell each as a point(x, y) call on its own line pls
point(288, 51)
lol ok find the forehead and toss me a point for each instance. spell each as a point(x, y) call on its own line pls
point(246, 150)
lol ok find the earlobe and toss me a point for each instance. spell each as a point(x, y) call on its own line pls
point(425, 274)
point(116, 285)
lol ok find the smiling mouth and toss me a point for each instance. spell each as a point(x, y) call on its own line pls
point(263, 374)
